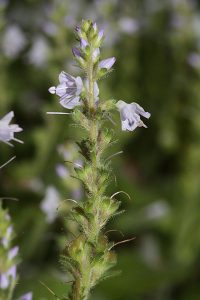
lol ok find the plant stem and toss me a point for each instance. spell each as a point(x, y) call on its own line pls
point(88, 256)
point(82, 285)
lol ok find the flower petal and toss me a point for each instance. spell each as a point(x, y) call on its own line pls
point(63, 77)
point(79, 85)
point(13, 252)
point(61, 89)
point(52, 90)
point(83, 43)
point(107, 63)
point(70, 103)
point(7, 118)
point(140, 110)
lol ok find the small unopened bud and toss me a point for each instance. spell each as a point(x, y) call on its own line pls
point(78, 29)
point(76, 52)
point(86, 25)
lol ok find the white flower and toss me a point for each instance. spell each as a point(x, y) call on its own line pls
point(13, 41)
point(62, 171)
point(27, 296)
point(50, 203)
point(130, 115)
point(38, 53)
point(68, 90)
point(7, 131)
point(128, 25)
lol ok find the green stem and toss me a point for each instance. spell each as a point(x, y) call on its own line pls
point(93, 135)
point(82, 285)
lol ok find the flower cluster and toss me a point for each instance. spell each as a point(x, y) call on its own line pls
point(8, 258)
point(8, 275)
point(73, 91)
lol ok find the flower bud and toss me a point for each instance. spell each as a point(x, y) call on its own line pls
point(83, 43)
point(107, 63)
point(86, 25)
point(76, 52)
point(98, 38)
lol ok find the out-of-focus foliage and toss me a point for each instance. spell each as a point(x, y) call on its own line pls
point(157, 45)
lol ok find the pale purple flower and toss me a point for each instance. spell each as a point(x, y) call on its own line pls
point(76, 52)
point(130, 115)
point(128, 25)
point(50, 203)
point(3, 3)
point(50, 28)
point(27, 296)
point(70, 21)
point(68, 90)
point(157, 209)
point(107, 63)
point(83, 43)
point(194, 59)
point(95, 26)
point(7, 131)
point(38, 53)
point(100, 34)
point(7, 278)
point(13, 252)
point(13, 41)
point(62, 171)
point(6, 239)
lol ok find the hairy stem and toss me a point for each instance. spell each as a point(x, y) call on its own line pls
point(88, 256)
point(82, 286)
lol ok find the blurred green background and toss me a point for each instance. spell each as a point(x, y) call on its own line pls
point(157, 46)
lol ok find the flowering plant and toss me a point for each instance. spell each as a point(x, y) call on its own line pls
point(8, 254)
point(90, 256)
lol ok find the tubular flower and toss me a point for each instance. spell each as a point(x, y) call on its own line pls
point(130, 115)
point(68, 90)
point(7, 131)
